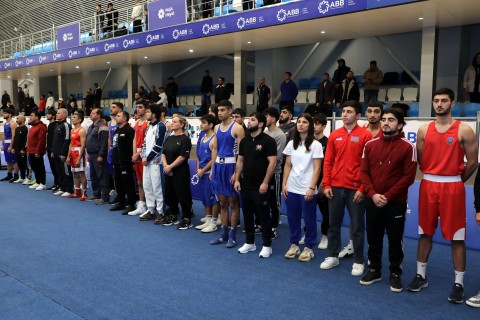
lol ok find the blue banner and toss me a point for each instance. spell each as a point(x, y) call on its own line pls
point(166, 13)
point(385, 3)
point(68, 36)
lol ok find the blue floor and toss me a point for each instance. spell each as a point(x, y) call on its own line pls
point(64, 259)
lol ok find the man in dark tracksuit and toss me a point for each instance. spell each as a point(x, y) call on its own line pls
point(61, 143)
point(97, 148)
point(19, 147)
point(51, 114)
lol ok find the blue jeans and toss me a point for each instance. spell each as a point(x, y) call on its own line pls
point(296, 208)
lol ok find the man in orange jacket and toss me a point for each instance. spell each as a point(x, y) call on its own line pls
point(343, 187)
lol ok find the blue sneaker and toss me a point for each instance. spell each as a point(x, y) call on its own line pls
point(223, 236)
point(232, 241)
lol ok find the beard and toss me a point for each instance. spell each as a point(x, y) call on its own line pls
point(282, 121)
point(390, 133)
point(445, 111)
point(253, 129)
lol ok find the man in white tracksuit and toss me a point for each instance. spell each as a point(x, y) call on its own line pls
point(151, 157)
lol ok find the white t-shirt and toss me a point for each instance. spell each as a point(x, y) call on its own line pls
point(300, 177)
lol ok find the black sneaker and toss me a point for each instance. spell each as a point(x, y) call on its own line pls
point(274, 234)
point(396, 283)
point(128, 209)
point(7, 177)
point(186, 224)
point(258, 229)
point(50, 188)
point(170, 220)
point(456, 296)
point(417, 284)
point(371, 277)
point(117, 206)
point(113, 202)
point(146, 216)
point(160, 219)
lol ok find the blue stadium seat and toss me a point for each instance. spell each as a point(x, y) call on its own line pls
point(358, 79)
point(315, 82)
point(471, 109)
point(457, 109)
point(182, 110)
point(414, 110)
point(259, 3)
point(298, 109)
point(303, 84)
point(226, 8)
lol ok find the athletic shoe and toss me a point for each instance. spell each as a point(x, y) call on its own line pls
point(266, 252)
point(40, 187)
point(113, 202)
point(219, 221)
point(323, 243)
point(204, 219)
point(51, 188)
point(348, 250)
point(6, 178)
point(258, 229)
point(117, 206)
point(212, 227)
point(141, 207)
point(302, 240)
point(357, 269)
point(92, 199)
point(371, 277)
point(292, 252)
point(128, 209)
point(247, 247)
point(170, 220)
point(100, 202)
point(223, 236)
point(159, 220)
point(186, 224)
point(19, 180)
point(14, 179)
point(29, 175)
point(147, 216)
point(33, 186)
point(456, 296)
point(306, 255)
point(32, 182)
point(206, 222)
point(474, 301)
point(83, 197)
point(26, 182)
point(232, 241)
point(329, 263)
point(396, 283)
point(58, 193)
point(417, 284)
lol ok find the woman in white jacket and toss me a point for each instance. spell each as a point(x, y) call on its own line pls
point(471, 79)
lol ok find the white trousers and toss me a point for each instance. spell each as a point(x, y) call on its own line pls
point(152, 186)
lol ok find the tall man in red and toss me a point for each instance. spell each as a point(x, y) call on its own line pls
point(441, 147)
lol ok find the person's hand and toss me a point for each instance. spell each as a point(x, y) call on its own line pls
point(12, 151)
point(68, 160)
point(284, 192)
point(328, 193)
point(379, 200)
point(200, 173)
point(135, 158)
point(210, 176)
point(232, 179)
point(358, 197)
point(263, 188)
point(77, 163)
point(144, 162)
point(237, 186)
point(309, 195)
point(477, 218)
point(100, 159)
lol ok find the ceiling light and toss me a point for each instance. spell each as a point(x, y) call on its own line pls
point(191, 50)
point(108, 62)
point(249, 42)
point(77, 67)
point(322, 32)
point(145, 57)
point(421, 18)
point(29, 74)
point(8, 77)
point(51, 70)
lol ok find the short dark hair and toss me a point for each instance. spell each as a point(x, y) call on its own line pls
point(402, 106)
point(272, 112)
point(373, 62)
point(354, 104)
point(51, 112)
point(286, 107)
point(289, 73)
point(80, 114)
point(118, 104)
point(8, 110)
point(447, 91)
point(398, 113)
point(320, 118)
point(210, 119)
point(170, 78)
point(225, 103)
point(164, 110)
point(140, 101)
point(155, 109)
point(36, 113)
point(260, 118)
point(240, 111)
point(326, 74)
point(126, 115)
point(376, 104)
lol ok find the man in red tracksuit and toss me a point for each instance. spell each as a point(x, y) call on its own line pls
point(37, 142)
point(389, 166)
point(343, 187)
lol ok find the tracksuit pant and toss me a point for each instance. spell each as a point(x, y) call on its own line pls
point(255, 205)
point(51, 161)
point(152, 186)
point(38, 167)
point(296, 208)
point(64, 175)
point(22, 164)
point(99, 178)
point(274, 198)
point(177, 189)
point(125, 183)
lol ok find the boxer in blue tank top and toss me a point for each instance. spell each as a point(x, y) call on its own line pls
point(8, 136)
point(228, 132)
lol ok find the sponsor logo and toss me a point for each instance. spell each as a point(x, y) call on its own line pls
point(29, 60)
point(18, 63)
point(7, 65)
point(128, 43)
point(73, 53)
point(67, 36)
point(108, 46)
point(56, 56)
point(243, 22)
point(207, 28)
point(283, 14)
point(41, 59)
point(151, 38)
point(166, 13)
point(179, 33)
point(161, 14)
point(89, 50)
point(195, 180)
point(324, 6)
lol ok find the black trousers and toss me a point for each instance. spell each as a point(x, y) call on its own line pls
point(52, 168)
point(22, 164)
point(125, 183)
point(137, 26)
point(322, 203)
point(255, 204)
point(38, 167)
point(172, 101)
point(474, 97)
point(99, 177)
point(64, 175)
point(274, 187)
point(177, 190)
point(392, 219)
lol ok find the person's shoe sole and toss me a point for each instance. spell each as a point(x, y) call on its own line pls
point(396, 289)
point(367, 283)
point(420, 288)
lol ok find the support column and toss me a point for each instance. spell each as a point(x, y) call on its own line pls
point(132, 84)
point(59, 86)
point(35, 89)
point(240, 80)
point(428, 70)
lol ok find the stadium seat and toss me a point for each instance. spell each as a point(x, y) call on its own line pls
point(250, 98)
point(190, 101)
point(362, 94)
point(302, 97)
point(394, 94)
point(303, 84)
point(410, 94)
point(183, 101)
point(312, 96)
point(298, 110)
point(197, 100)
point(382, 93)
point(471, 109)
point(414, 110)
point(315, 82)
point(457, 110)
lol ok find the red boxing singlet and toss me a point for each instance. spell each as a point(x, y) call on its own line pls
point(75, 138)
point(442, 153)
point(140, 133)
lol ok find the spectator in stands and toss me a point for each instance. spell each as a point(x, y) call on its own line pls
point(207, 8)
point(193, 7)
point(325, 96)
point(372, 78)
point(247, 5)
point(99, 20)
point(143, 94)
point(50, 101)
point(21, 99)
point(137, 14)
point(26, 92)
point(348, 91)
point(263, 95)
point(163, 99)
point(89, 101)
point(289, 91)
point(97, 96)
point(154, 95)
point(61, 104)
point(5, 98)
point(221, 91)
point(340, 73)
point(71, 98)
point(112, 20)
point(41, 105)
point(471, 80)
point(171, 90)
point(206, 90)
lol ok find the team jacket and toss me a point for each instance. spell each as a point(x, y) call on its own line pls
point(343, 158)
point(37, 139)
point(388, 167)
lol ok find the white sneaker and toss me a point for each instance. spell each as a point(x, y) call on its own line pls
point(247, 248)
point(65, 194)
point(19, 180)
point(302, 241)
point(141, 208)
point(206, 223)
point(204, 219)
point(41, 187)
point(348, 250)
point(306, 255)
point(113, 193)
point(58, 193)
point(34, 186)
point(219, 221)
point(211, 227)
point(292, 252)
point(266, 252)
point(323, 243)
point(329, 263)
point(26, 181)
point(357, 269)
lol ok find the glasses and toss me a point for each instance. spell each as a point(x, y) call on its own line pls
point(445, 100)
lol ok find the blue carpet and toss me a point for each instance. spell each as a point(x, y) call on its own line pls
point(64, 259)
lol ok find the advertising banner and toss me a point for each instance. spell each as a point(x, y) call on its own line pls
point(68, 36)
